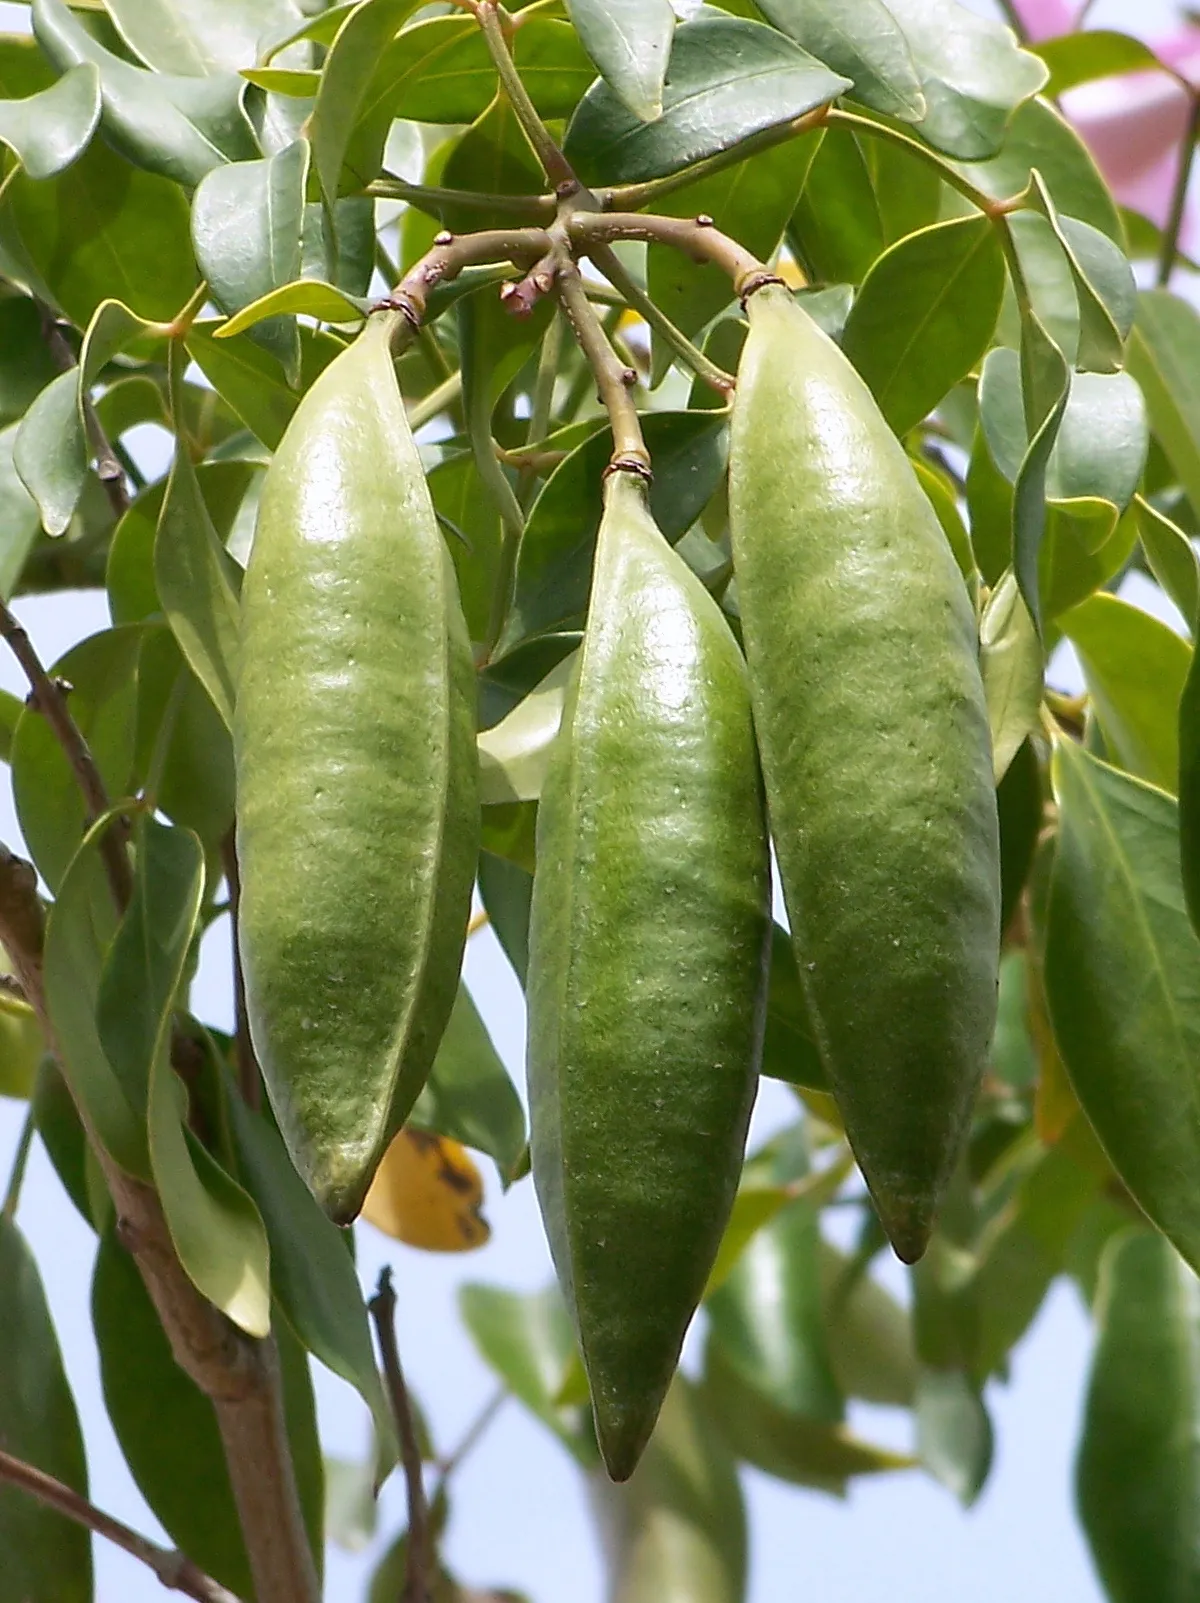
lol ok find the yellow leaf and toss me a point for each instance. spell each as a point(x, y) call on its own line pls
point(428, 1193)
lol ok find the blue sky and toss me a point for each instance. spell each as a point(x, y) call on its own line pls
point(519, 1514)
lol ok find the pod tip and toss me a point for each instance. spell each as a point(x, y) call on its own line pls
point(908, 1224)
point(622, 1432)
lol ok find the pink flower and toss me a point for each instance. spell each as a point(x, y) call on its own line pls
point(1134, 125)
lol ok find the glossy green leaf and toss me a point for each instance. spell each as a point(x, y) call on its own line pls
point(972, 75)
point(1020, 804)
point(925, 315)
point(1046, 387)
point(251, 382)
point(168, 1431)
point(345, 80)
point(1164, 358)
point(312, 1270)
point(104, 230)
point(1040, 137)
point(729, 79)
point(837, 230)
point(514, 753)
point(1010, 656)
point(469, 1096)
point(180, 127)
point(1137, 1477)
point(1135, 669)
point(102, 673)
point(630, 43)
point(861, 40)
point(1075, 58)
point(198, 37)
point(1120, 966)
point(1105, 289)
point(179, 729)
point(307, 296)
point(247, 222)
point(26, 365)
point(869, 1333)
point(50, 130)
point(554, 563)
point(677, 1528)
point(753, 202)
point(464, 508)
point(45, 1555)
point(527, 1340)
point(195, 579)
point(58, 1126)
point(789, 1048)
point(1172, 559)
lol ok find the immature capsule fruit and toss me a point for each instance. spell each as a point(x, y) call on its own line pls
point(647, 976)
point(873, 732)
point(357, 777)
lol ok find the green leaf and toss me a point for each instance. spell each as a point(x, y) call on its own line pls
point(869, 1333)
point(754, 201)
point(1046, 388)
point(837, 230)
point(767, 1316)
point(954, 1433)
point(469, 1096)
point(201, 37)
point(247, 223)
point(309, 297)
point(45, 1555)
point(312, 1270)
point(52, 449)
point(1172, 559)
point(196, 586)
point(58, 1126)
point(250, 381)
point(103, 230)
point(180, 127)
point(861, 40)
point(351, 1512)
point(216, 1228)
point(20, 521)
point(1164, 358)
point(1137, 1476)
point(630, 43)
point(513, 754)
point(677, 1529)
point(1040, 137)
point(464, 506)
point(179, 727)
point(26, 365)
point(50, 130)
point(168, 1430)
point(506, 891)
point(729, 79)
point(1010, 656)
point(79, 933)
point(1105, 289)
point(345, 80)
point(102, 673)
point(972, 74)
point(555, 559)
point(925, 315)
point(1135, 668)
point(1075, 58)
point(789, 1048)
point(527, 1340)
point(1120, 966)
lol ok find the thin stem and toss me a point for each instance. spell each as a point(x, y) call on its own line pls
point(1013, 17)
point(175, 1571)
point(249, 1075)
point(613, 379)
point(418, 1580)
point(695, 237)
point(49, 697)
point(542, 402)
point(436, 402)
point(109, 470)
point(435, 200)
point(471, 1438)
point(632, 197)
point(16, 1178)
point(555, 165)
point(609, 263)
point(1187, 156)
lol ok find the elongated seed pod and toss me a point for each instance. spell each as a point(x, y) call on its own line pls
point(647, 975)
point(357, 777)
point(874, 738)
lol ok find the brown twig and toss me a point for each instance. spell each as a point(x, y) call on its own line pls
point(694, 236)
point(418, 1579)
point(109, 469)
point(249, 1077)
point(451, 253)
point(48, 697)
point(175, 1571)
point(613, 379)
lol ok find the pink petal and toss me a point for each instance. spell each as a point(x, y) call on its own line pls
point(1043, 19)
point(1130, 124)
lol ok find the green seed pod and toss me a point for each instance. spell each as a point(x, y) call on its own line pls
point(647, 976)
point(358, 819)
point(873, 732)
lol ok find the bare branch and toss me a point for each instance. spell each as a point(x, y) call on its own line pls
point(418, 1579)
